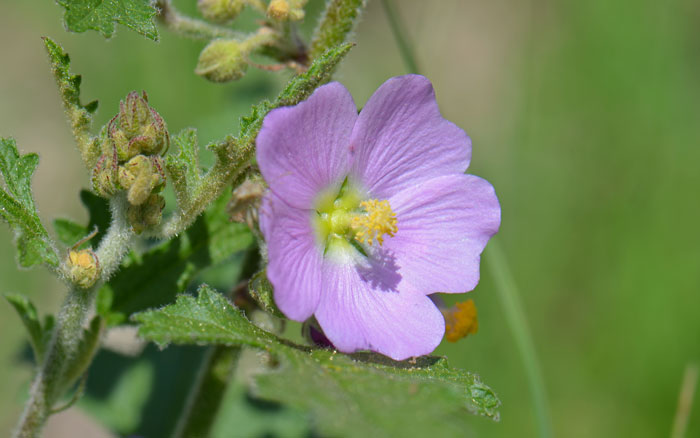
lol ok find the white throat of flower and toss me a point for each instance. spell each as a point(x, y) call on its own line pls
point(345, 222)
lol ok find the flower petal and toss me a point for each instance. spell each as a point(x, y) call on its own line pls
point(400, 139)
point(357, 313)
point(295, 262)
point(303, 149)
point(443, 226)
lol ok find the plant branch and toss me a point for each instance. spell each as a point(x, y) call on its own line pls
point(337, 21)
point(66, 355)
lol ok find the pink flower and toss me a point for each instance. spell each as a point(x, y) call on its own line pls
point(369, 214)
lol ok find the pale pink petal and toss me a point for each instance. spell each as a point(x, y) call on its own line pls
point(371, 311)
point(303, 149)
point(443, 226)
point(401, 140)
point(295, 261)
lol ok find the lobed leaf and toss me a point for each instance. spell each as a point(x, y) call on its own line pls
point(101, 15)
point(18, 209)
point(359, 395)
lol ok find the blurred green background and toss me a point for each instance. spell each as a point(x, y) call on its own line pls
point(585, 116)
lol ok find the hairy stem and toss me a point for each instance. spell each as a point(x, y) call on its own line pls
point(191, 27)
point(65, 355)
point(207, 391)
point(337, 21)
point(515, 316)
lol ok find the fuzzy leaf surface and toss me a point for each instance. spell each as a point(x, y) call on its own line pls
point(101, 15)
point(17, 206)
point(358, 395)
point(39, 334)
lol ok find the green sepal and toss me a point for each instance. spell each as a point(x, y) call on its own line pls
point(358, 395)
point(17, 207)
point(101, 15)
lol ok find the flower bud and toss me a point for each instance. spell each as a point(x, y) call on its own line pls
point(286, 10)
point(147, 214)
point(140, 176)
point(104, 175)
point(138, 128)
point(222, 60)
point(83, 267)
point(220, 11)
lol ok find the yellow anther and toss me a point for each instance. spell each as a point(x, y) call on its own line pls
point(460, 321)
point(379, 220)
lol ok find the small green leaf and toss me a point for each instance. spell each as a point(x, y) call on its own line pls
point(261, 291)
point(358, 396)
point(183, 168)
point(212, 239)
point(17, 206)
point(101, 15)
point(100, 217)
point(68, 232)
point(38, 337)
point(86, 350)
point(79, 115)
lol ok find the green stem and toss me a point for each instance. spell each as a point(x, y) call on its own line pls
point(64, 353)
point(510, 300)
point(207, 392)
point(399, 32)
point(190, 27)
point(337, 21)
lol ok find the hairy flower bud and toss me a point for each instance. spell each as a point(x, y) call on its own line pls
point(138, 128)
point(222, 60)
point(83, 267)
point(220, 11)
point(147, 214)
point(141, 176)
point(104, 174)
point(286, 10)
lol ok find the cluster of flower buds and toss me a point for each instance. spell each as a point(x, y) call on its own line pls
point(132, 144)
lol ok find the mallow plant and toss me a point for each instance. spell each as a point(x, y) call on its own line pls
point(350, 222)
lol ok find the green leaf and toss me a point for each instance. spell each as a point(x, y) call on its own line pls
point(39, 336)
point(183, 168)
point(100, 217)
point(79, 115)
point(101, 15)
point(154, 278)
point(86, 350)
point(17, 206)
point(358, 396)
point(260, 289)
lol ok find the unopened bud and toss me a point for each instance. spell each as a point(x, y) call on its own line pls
point(83, 268)
point(286, 10)
point(222, 60)
point(245, 202)
point(146, 215)
point(104, 175)
point(140, 176)
point(220, 11)
point(138, 128)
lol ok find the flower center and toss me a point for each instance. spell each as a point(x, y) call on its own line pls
point(343, 220)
